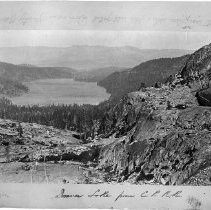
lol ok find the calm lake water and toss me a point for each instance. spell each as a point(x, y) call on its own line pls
point(61, 91)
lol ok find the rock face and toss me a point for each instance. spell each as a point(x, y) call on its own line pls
point(197, 74)
point(165, 134)
point(197, 70)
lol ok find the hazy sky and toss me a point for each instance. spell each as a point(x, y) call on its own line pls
point(160, 25)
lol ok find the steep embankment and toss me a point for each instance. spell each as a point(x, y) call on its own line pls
point(164, 136)
point(150, 72)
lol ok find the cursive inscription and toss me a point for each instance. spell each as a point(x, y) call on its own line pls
point(62, 194)
point(25, 19)
point(124, 195)
point(99, 193)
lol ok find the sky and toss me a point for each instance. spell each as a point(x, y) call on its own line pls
point(146, 25)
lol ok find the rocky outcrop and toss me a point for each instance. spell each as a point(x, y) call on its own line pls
point(168, 144)
point(197, 74)
point(197, 71)
point(83, 154)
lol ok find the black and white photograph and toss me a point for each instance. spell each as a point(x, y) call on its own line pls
point(105, 104)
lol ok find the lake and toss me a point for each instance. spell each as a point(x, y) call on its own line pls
point(61, 91)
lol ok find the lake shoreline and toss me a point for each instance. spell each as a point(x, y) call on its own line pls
point(61, 91)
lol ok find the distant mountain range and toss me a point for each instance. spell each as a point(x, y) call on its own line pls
point(149, 72)
point(84, 57)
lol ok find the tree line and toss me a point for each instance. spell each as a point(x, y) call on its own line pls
point(88, 120)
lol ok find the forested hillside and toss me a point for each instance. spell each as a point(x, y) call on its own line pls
point(11, 88)
point(28, 73)
point(97, 75)
point(145, 74)
point(89, 120)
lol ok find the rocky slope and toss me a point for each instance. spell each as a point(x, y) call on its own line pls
point(41, 142)
point(164, 135)
point(197, 73)
point(44, 154)
point(170, 142)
